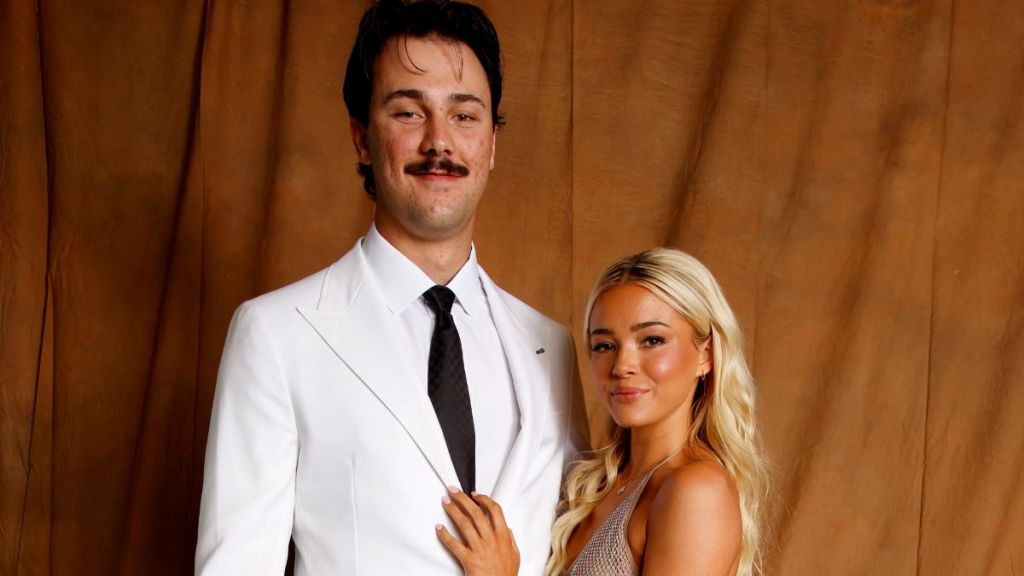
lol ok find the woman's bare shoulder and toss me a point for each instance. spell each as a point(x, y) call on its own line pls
point(698, 479)
point(694, 520)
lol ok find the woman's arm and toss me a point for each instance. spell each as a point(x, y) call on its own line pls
point(694, 524)
point(487, 547)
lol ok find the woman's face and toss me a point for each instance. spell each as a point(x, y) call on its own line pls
point(644, 359)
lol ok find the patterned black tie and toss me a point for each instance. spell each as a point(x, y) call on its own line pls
point(446, 386)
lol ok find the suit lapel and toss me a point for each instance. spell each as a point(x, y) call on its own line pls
point(355, 322)
point(530, 378)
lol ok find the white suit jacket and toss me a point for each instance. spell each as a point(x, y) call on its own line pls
point(321, 432)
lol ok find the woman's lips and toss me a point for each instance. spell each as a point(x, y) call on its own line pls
point(627, 395)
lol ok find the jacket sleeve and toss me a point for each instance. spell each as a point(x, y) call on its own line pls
point(578, 424)
point(245, 518)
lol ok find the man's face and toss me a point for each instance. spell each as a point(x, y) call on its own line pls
point(430, 138)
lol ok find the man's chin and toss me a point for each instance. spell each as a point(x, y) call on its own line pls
point(440, 227)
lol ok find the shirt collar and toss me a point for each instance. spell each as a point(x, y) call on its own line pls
point(467, 287)
point(402, 282)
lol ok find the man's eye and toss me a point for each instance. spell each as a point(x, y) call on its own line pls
point(464, 118)
point(404, 114)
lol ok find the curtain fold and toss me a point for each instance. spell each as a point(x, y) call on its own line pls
point(26, 317)
point(973, 518)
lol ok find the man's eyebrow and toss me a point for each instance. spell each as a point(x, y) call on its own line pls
point(414, 94)
point(459, 98)
point(410, 93)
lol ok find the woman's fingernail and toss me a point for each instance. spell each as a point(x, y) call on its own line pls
point(438, 527)
point(453, 489)
point(446, 500)
point(474, 493)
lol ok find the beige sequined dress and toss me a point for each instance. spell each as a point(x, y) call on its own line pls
point(607, 553)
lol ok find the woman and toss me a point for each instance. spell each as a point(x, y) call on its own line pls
point(678, 489)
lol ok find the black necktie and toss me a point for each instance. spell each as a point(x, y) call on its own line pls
point(446, 386)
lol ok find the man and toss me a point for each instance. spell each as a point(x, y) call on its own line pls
point(349, 402)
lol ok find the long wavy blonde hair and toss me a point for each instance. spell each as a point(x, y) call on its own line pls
point(722, 412)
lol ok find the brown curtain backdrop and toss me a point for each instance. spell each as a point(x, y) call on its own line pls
point(851, 171)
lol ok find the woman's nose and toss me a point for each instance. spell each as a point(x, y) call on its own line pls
point(625, 363)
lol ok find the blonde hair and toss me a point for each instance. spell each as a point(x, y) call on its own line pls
point(722, 413)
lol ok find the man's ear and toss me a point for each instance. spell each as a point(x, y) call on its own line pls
point(359, 136)
point(494, 144)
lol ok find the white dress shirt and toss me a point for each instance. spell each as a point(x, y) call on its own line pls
point(495, 411)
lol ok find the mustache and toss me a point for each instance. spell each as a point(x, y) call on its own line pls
point(436, 166)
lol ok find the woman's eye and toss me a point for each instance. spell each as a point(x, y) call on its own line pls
point(600, 347)
point(650, 341)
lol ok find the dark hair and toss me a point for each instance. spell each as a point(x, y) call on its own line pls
point(448, 19)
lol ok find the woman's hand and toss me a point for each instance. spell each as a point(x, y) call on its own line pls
point(487, 547)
